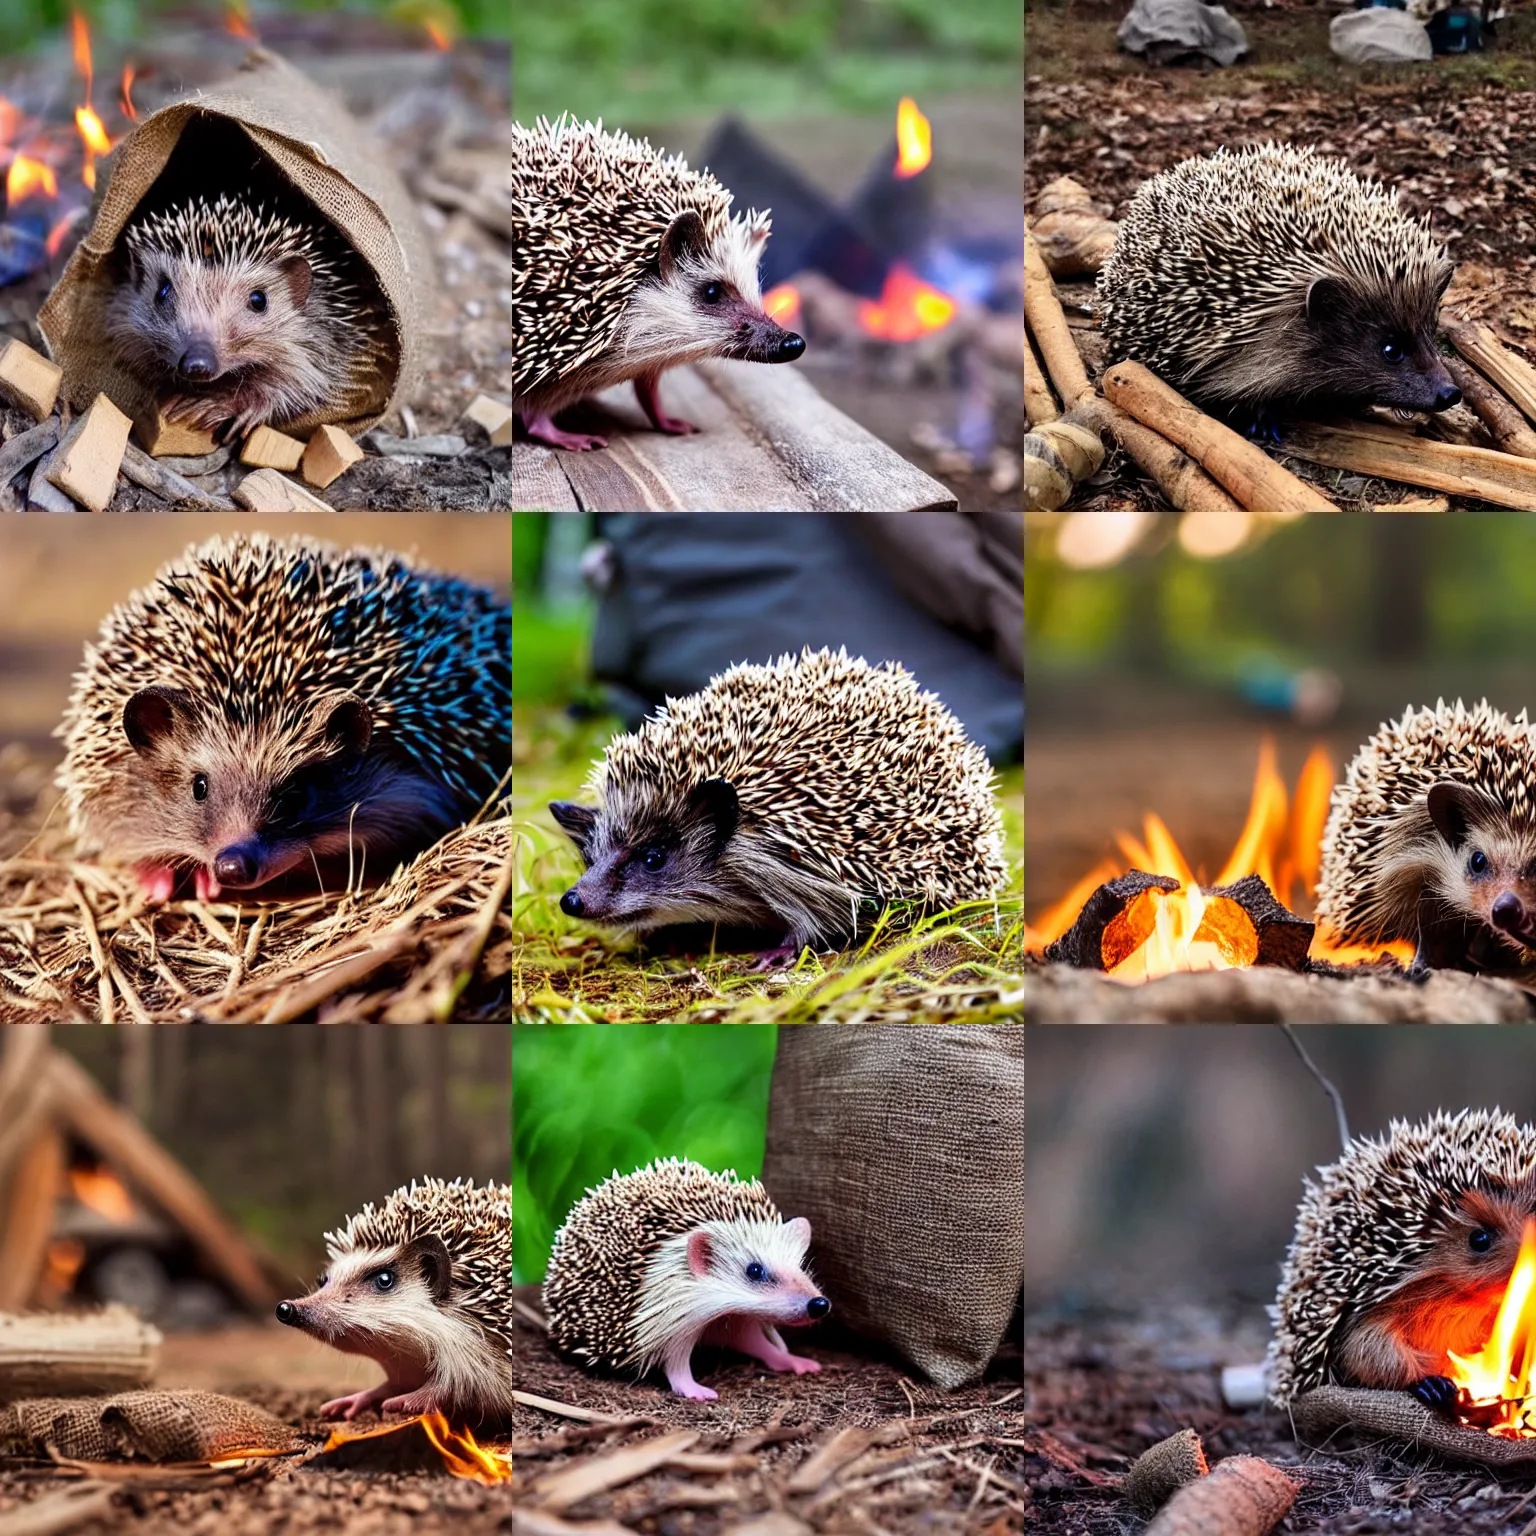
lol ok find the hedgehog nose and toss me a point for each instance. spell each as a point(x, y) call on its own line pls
point(817, 1306)
point(572, 904)
point(1449, 395)
point(288, 1313)
point(235, 867)
point(790, 347)
point(1507, 911)
point(198, 362)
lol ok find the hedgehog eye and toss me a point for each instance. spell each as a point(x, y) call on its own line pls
point(756, 1272)
point(199, 786)
point(1478, 863)
point(1393, 349)
point(163, 292)
point(323, 1281)
point(384, 1280)
point(712, 293)
point(259, 301)
point(1480, 1241)
point(654, 858)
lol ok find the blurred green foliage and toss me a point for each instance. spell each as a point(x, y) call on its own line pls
point(550, 645)
point(665, 59)
point(24, 22)
point(587, 1102)
point(1460, 588)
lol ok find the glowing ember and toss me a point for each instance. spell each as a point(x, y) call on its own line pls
point(1495, 1387)
point(1186, 930)
point(100, 1190)
point(462, 1454)
point(82, 45)
point(782, 303)
point(66, 1258)
point(438, 33)
point(914, 140)
point(237, 21)
point(26, 177)
point(907, 307)
point(125, 101)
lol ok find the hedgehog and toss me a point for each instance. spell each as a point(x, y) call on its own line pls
point(1273, 278)
point(1431, 837)
point(798, 797)
point(652, 1263)
point(423, 1285)
point(233, 314)
point(624, 263)
point(1402, 1252)
point(271, 711)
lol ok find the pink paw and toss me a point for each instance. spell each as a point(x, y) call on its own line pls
point(412, 1403)
point(697, 1393)
point(208, 888)
point(801, 1366)
point(157, 881)
point(675, 426)
point(542, 429)
point(347, 1407)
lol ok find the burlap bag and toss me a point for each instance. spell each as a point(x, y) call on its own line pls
point(1319, 1413)
point(316, 145)
point(143, 1426)
point(905, 1149)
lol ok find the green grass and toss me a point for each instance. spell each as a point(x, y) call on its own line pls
point(591, 1102)
point(957, 965)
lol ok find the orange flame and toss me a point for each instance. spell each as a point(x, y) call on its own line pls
point(441, 39)
point(100, 1190)
point(914, 140)
point(126, 99)
point(1498, 1384)
point(66, 1258)
point(82, 40)
point(10, 121)
point(907, 307)
point(237, 21)
point(782, 303)
point(27, 176)
point(1185, 930)
point(462, 1454)
point(60, 231)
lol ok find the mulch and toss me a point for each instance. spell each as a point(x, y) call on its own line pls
point(1104, 1385)
point(904, 1456)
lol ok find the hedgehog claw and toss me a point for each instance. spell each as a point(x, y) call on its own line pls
point(354, 1403)
point(1437, 1393)
point(542, 429)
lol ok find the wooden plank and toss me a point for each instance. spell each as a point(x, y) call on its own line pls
point(61, 1354)
point(537, 482)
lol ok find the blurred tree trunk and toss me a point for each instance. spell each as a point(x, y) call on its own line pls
point(376, 1105)
point(136, 1071)
point(1399, 589)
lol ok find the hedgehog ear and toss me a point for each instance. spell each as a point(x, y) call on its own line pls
point(715, 802)
point(684, 237)
point(299, 278)
point(431, 1257)
point(799, 1229)
point(1454, 808)
point(1326, 296)
point(576, 821)
point(150, 716)
point(349, 726)
point(701, 1253)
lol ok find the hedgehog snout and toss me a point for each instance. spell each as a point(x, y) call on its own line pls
point(817, 1308)
point(200, 361)
point(238, 866)
point(288, 1313)
point(572, 904)
point(761, 340)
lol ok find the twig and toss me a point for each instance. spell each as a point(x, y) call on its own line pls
point(1328, 1088)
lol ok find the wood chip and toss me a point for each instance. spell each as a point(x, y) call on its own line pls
point(442, 445)
point(29, 380)
point(266, 448)
point(329, 454)
point(493, 417)
point(776, 1524)
point(830, 1457)
point(560, 1490)
point(537, 1522)
point(87, 465)
point(162, 439)
point(55, 1513)
point(264, 490)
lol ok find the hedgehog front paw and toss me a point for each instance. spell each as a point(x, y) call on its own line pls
point(413, 1403)
point(1437, 1393)
point(354, 1403)
point(157, 881)
point(696, 1392)
point(800, 1365)
point(542, 429)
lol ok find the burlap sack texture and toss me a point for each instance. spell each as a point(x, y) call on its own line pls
point(904, 1147)
point(143, 1426)
point(1317, 1414)
point(313, 142)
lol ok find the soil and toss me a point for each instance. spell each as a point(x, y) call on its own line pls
point(929, 1479)
point(1102, 1386)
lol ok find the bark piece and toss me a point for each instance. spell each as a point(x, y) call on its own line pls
point(560, 1490)
point(1283, 937)
point(86, 468)
point(1039, 403)
point(26, 447)
point(328, 455)
point(1096, 941)
point(1181, 479)
point(1045, 321)
point(29, 380)
point(1243, 1496)
point(1508, 370)
point(1503, 421)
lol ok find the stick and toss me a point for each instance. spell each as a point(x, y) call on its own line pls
point(1328, 1088)
point(1508, 370)
point(167, 484)
point(1244, 1496)
point(1039, 404)
point(1249, 473)
point(558, 1491)
point(1371, 448)
point(1183, 482)
point(1044, 318)
point(1500, 417)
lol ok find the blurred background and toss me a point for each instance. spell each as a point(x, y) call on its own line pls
point(907, 286)
point(1162, 651)
point(1164, 1165)
point(587, 1102)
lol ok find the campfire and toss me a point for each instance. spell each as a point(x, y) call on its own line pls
point(456, 1448)
point(1495, 1390)
point(1148, 914)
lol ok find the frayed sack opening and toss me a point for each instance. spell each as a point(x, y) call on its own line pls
point(1319, 1414)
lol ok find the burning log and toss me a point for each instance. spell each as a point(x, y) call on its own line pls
point(1253, 478)
point(1047, 323)
point(1373, 448)
point(1509, 371)
point(1115, 921)
point(1283, 938)
point(1243, 1496)
point(1506, 424)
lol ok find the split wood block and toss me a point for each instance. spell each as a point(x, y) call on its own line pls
point(28, 379)
point(86, 468)
point(267, 491)
point(494, 417)
point(266, 448)
point(329, 454)
point(164, 439)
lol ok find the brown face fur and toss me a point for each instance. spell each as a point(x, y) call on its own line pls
point(1483, 868)
point(1450, 1301)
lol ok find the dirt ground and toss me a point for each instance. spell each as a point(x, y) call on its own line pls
point(1102, 1386)
point(935, 1460)
point(289, 1375)
point(1457, 138)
